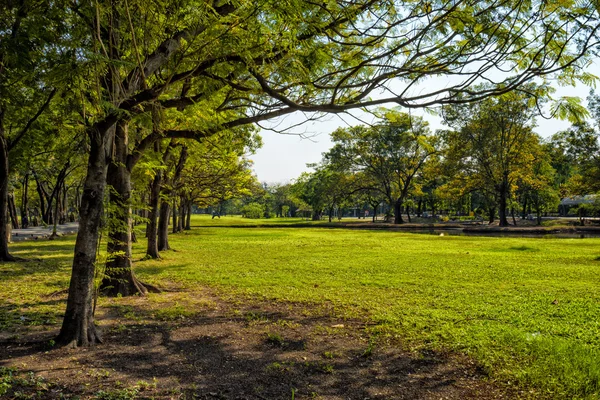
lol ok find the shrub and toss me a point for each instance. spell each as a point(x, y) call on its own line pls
point(253, 210)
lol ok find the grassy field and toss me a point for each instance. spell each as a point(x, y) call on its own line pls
point(528, 310)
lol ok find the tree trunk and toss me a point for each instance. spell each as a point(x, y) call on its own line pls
point(398, 212)
point(163, 226)
point(78, 327)
point(119, 278)
point(188, 219)
point(408, 214)
point(182, 214)
point(492, 211)
point(152, 228)
point(4, 170)
point(25, 202)
point(512, 212)
point(55, 219)
point(12, 211)
point(316, 215)
point(63, 205)
point(502, 207)
point(175, 219)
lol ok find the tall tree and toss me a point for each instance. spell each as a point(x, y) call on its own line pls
point(267, 59)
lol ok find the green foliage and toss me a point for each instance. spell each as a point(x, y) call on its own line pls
point(390, 156)
point(253, 210)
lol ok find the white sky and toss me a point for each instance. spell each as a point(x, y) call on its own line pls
point(284, 157)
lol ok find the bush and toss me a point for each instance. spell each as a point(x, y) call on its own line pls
point(253, 210)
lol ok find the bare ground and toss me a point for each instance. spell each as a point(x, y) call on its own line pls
point(196, 345)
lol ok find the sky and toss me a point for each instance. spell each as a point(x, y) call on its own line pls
point(283, 157)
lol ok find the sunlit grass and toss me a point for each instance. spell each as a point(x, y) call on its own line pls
point(527, 309)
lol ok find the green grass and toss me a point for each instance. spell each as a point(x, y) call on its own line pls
point(205, 220)
point(527, 309)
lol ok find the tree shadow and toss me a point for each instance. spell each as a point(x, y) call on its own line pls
point(217, 355)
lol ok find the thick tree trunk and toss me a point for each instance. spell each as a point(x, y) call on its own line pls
point(398, 212)
point(163, 226)
point(119, 279)
point(4, 170)
point(78, 327)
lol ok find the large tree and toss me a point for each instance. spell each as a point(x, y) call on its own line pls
point(253, 61)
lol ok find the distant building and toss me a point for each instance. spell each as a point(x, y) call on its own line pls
point(572, 202)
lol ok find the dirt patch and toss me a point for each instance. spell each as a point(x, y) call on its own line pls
point(195, 345)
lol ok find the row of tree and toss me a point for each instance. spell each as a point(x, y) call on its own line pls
point(491, 161)
point(133, 83)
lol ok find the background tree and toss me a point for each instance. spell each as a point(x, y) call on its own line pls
point(391, 153)
point(493, 143)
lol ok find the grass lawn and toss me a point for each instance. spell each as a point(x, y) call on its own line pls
point(528, 310)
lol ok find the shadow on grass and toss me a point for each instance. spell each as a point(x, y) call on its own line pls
point(215, 356)
point(59, 250)
point(41, 313)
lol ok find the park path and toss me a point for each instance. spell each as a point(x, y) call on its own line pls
point(41, 232)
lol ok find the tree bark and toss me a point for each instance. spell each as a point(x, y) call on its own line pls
point(25, 202)
point(182, 214)
point(188, 216)
point(163, 226)
point(175, 219)
point(78, 328)
point(4, 171)
point(55, 219)
point(152, 228)
point(12, 211)
point(398, 212)
point(502, 206)
point(119, 278)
